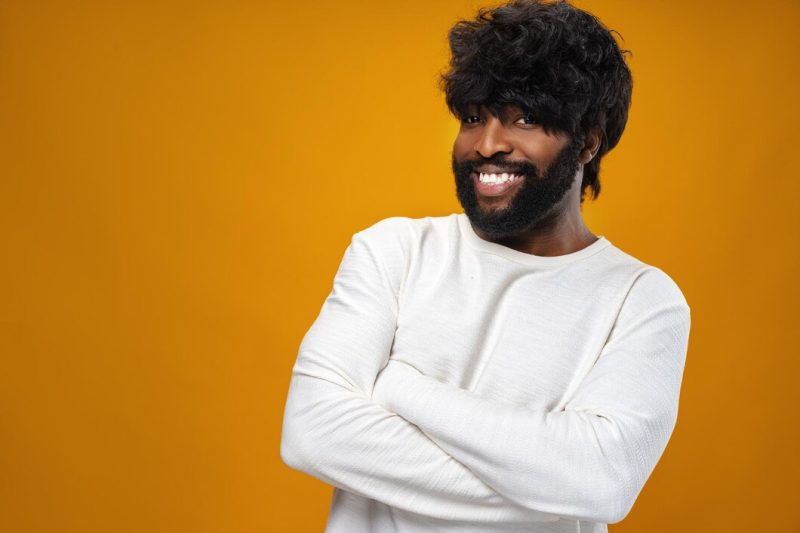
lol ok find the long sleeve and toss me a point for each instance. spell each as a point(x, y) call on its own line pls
point(333, 430)
point(590, 459)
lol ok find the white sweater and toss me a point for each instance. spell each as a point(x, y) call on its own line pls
point(453, 384)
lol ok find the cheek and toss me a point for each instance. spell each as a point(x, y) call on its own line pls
point(465, 140)
point(460, 146)
point(542, 149)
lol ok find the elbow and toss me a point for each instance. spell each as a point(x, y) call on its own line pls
point(300, 427)
point(290, 451)
point(296, 451)
point(620, 474)
point(626, 481)
point(606, 500)
point(607, 504)
point(616, 507)
point(616, 501)
point(294, 434)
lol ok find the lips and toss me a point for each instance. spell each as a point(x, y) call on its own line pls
point(489, 169)
point(494, 189)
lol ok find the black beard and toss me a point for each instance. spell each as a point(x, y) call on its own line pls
point(531, 204)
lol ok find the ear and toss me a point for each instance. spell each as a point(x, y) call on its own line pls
point(590, 146)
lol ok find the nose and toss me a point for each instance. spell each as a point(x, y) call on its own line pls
point(492, 138)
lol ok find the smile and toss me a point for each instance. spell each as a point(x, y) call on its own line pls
point(495, 184)
point(497, 178)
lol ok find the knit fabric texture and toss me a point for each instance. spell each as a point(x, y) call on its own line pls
point(454, 384)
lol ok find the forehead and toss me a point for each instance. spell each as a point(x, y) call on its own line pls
point(494, 109)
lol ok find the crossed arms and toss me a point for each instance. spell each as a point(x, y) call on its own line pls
point(378, 428)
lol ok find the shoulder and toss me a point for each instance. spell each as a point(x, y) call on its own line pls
point(646, 283)
point(653, 286)
point(654, 302)
point(653, 310)
point(402, 234)
point(395, 243)
point(387, 240)
point(385, 229)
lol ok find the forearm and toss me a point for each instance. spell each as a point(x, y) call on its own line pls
point(588, 461)
point(334, 431)
point(536, 459)
point(345, 439)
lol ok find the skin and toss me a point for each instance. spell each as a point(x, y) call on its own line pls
point(517, 139)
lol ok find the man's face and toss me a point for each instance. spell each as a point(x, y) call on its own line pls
point(544, 166)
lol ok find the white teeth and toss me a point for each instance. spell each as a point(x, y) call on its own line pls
point(497, 178)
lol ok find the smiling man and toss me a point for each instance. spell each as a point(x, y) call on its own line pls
point(500, 369)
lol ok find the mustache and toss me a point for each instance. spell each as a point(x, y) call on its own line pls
point(512, 167)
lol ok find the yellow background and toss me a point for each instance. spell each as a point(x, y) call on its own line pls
point(178, 182)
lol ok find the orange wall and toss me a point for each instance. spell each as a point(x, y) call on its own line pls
point(178, 181)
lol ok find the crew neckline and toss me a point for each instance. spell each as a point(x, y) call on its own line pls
point(523, 257)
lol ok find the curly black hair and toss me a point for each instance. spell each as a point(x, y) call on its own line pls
point(555, 61)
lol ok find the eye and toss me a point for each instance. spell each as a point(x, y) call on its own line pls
point(471, 119)
point(528, 120)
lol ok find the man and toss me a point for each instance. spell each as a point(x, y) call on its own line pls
point(501, 369)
